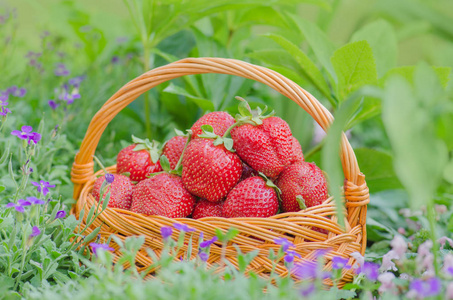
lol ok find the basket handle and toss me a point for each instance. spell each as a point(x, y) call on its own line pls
point(83, 167)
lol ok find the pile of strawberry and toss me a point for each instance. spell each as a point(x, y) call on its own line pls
point(248, 166)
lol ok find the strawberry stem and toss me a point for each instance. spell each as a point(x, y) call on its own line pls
point(178, 164)
point(235, 124)
point(100, 164)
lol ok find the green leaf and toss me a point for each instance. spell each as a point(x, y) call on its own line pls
point(179, 132)
point(415, 141)
point(204, 104)
point(378, 169)
point(382, 39)
point(2, 188)
point(244, 108)
point(228, 143)
point(310, 70)
point(322, 47)
point(354, 65)
point(301, 202)
point(407, 72)
point(165, 163)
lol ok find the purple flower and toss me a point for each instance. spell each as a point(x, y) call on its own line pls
point(60, 214)
point(309, 270)
point(19, 206)
point(26, 134)
point(16, 92)
point(284, 243)
point(183, 227)
point(4, 111)
point(371, 270)
point(166, 232)
point(340, 263)
point(102, 247)
point(203, 256)
point(53, 104)
point(35, 231)
point(426, 288)
point(308, 290)
point(42, 186)
point(109, 178)
point(208, 243)
point(387, 281)
point(115, 59)
point(61, 70)
point(35, 201)
point(76, 81)
point(290, 254)
point(44, 34)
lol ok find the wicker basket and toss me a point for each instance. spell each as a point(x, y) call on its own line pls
point(255, 233)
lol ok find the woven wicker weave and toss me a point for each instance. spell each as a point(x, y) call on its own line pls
point(255, 233)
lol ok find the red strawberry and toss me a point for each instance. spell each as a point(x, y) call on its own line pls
point(173, 149)
point(267, 148)
point(205, 208)
point(219, 120)
point(209, 171)
point(139, 159)
point(163, 195)
point(120, 191)
point(297, 151)
point(251, 198)
point(305, 180)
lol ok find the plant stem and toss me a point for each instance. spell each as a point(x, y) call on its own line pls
point(432, 228)
point(146, 54)
point(239, 123)
point(189, 137)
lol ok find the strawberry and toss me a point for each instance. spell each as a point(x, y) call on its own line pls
point(297, 151)
point(301, 182)
point(251, 198)
point(173, 149)
point(139, 159)
point(120, 191)
point(205, 208)
point(210, 171)
point(163, 195)
point(219, 120)
point(267, 148)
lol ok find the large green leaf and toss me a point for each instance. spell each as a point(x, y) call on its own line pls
point(322, 47)
point(443, 74)
point(204, 104)
point(419, 156)
point(378, 169)
point(354, 65)
point(382, 39)
point(308, 67)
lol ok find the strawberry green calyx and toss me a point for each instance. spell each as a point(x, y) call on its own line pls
point(270, 184)
point(301, 202)
point(255, 116)
point(208, 133)
point(153, 147)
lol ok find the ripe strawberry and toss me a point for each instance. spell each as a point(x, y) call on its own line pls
point(139, 159)
point(163, 195)
point(173, 149)
point(219, 120)
point(297, 151)
point(251, 198)
point(304, 180)
point(120, 191)
point(267, 148)
point(205, 208)
point(209, 171)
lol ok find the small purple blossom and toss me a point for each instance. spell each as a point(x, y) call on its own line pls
point(35, 231)
point(370, 270)
point(76, 81)
point(203, 256)
point(340, 263)
point(35, 201)
point(102, 247)
point(208, 243)
point(26, 134)
point(399, 245)
point(44, 34)
point(166, 232)
point(448, 265)
point(309, 270)
point(284, 243)
point(20, 206)
point(308, 290)
point(290, 254)
point(387, 263)
point(4, 111)
point(109, 178)
point(387, 281)
point(443, 240)
point(115, 59)
point(61, 70)
point(16, 92)
point(426, 288)
point(449, 291)
point(42, 186)
point(60, 214)
point(183, 227)
point(53, 104)
point(360, 260)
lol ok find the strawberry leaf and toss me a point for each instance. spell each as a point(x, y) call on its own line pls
point(208, 132)
point(179, 132)
point(137, 140)
point(140, 147)
point(228, 143)
point(301, 202)
point(164, 163)
point(244, 109)
point(154, 155)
